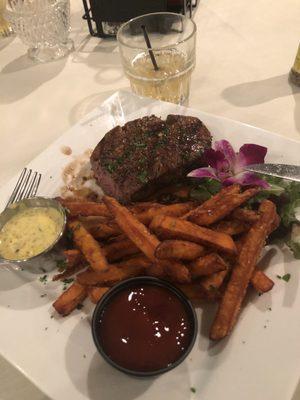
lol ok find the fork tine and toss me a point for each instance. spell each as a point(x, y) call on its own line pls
point(36, 186)
point(26, 186)
point(16, 188)
point(30, 186)
point(20, 195)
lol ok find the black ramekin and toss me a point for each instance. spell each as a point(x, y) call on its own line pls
point(144, 280)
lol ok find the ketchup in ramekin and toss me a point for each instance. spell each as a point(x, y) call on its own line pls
point(144, 326)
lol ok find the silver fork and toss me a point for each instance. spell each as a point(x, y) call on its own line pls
point(26, 186)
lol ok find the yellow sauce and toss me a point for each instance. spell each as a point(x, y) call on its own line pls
point(29, 232)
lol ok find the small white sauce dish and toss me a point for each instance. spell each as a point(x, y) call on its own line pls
point(44, 261)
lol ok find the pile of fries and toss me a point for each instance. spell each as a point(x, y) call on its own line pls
point(208, 250)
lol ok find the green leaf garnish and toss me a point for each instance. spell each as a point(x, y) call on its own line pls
point(61, 265)
point(143, 176)
point(205, 190)
point(68, 280)
point(286, 277)
point(43, 279)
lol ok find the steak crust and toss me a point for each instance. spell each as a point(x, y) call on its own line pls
point(133, 161)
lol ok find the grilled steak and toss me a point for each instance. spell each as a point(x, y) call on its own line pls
point(133, 161)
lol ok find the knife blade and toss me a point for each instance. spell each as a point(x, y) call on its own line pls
point(285, 171)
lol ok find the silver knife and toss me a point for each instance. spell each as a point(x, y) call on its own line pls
point(285, 171)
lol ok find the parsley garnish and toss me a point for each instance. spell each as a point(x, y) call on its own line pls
point(68, 280)
point(285, 277)
point(143, 176)
point(43, 279)
point(61, 265)
point(139, 144)
point(143, 160)
point(111, 167)
point(193, 390)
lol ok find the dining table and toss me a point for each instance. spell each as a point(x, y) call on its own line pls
point(244, 52)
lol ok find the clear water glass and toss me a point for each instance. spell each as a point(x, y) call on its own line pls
point(173, 38)
point(43, 25)
point(5, 28)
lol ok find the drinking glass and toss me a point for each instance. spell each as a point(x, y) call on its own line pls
point(5, 28)
point(43, 25)
point(173, 38)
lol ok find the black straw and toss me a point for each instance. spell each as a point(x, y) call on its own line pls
point(155, 66)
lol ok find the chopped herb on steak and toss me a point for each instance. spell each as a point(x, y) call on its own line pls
point(146, 154)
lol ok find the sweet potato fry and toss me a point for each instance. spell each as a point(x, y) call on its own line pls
point(176, 271)
point(212, 283)
point(70, 299)
point(115, 239)
point(95, 293)
point(242, 272)
point(171, 270)
point(134, 229)
point(87, 208)
point(74, 262)
point(117, 250)
point(135, 262)
point(174, 210)
point(73, 258)
point(110, 277)
point(175, 228)
point(231, 227)
point(207, 265)
point(92, 221)
point(196, 294)
point(68, 272)
point(220, 209)
point(261, 282)
point(142, 206)
point(211, 203)
point(180, 249)
point(89, 247)
point(104, 231)
point(143, 239)
point(245, 215)
point(157, 270)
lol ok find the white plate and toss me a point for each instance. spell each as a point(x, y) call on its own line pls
point(260, 360)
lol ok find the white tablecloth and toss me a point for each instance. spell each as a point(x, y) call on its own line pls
point(244, 52)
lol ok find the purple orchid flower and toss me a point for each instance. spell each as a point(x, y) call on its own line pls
point(227, 166)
